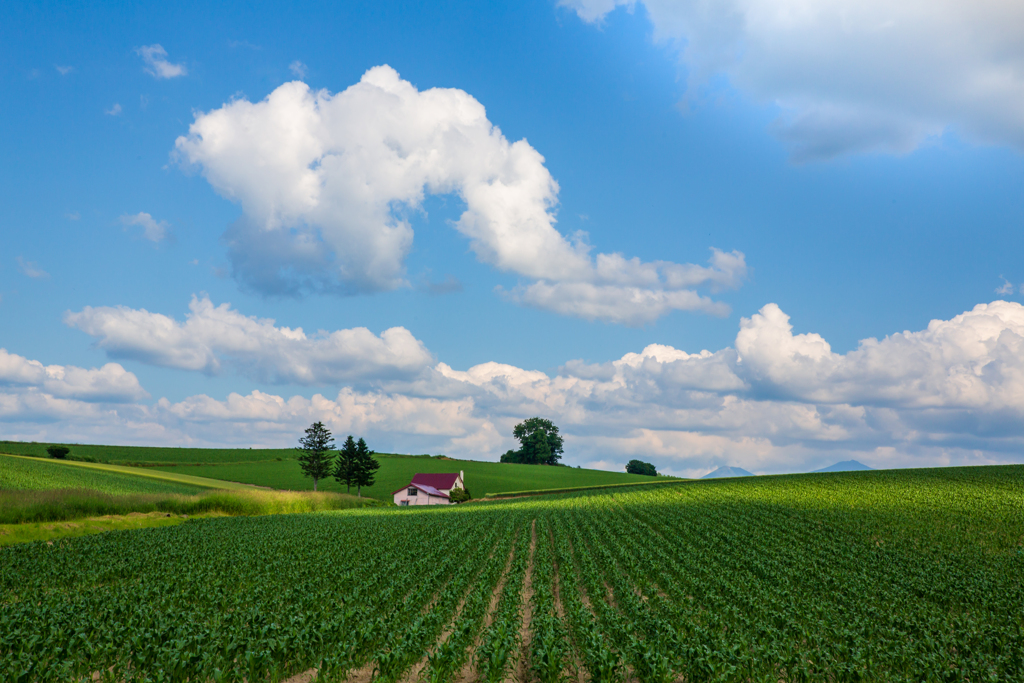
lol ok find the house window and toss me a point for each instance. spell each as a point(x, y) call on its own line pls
point(413, 491)
point(403, 502)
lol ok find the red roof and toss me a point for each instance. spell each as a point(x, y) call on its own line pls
point(429, 490)
point(437, 481)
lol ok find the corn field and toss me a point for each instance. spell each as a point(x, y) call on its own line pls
point(898, 576)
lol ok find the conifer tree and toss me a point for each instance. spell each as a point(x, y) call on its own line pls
point(316, 450)
point(366, 467)
point(346, 468)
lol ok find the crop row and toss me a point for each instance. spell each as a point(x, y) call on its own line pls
point(694, 583)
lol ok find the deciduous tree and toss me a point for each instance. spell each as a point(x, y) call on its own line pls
point(541, 443)
point(640, 467)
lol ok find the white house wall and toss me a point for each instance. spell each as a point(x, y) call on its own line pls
point(419, 499)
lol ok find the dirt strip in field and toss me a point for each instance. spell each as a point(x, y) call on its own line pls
point(468, 674)
point(415, 672)
point(578, 673)
point(522, 672)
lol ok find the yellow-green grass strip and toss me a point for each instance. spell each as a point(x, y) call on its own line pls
point(27, 532)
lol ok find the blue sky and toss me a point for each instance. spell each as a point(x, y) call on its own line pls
point(862, 193)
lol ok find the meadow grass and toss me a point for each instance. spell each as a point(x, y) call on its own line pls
point(145, 456)
point(27, 532)
point(482, 478)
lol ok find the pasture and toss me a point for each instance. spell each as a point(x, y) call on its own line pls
point(279, 469)
point(397, 471)
point(146, 455)
point(898, 576)
point(34, 474)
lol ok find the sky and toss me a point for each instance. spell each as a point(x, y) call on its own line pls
point(767, 234)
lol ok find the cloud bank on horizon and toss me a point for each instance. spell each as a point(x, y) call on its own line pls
point(775, 401)
point(324, 181)
point(850, 77)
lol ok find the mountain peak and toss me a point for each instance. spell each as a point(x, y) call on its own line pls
point(845, 466)
point(726, 471)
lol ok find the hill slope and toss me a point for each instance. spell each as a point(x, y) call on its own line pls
point(726, 471)
point(845, 466)
point(397, 471)
point(22, 473)
point(125, 455)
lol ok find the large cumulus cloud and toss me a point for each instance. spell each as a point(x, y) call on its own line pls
point(325, 182)
point(854, 76)
point(213, 336)
point(775, 401)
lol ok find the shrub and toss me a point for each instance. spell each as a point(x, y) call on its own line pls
point(458, 495)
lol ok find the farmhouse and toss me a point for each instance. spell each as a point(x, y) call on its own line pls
point(429, 489)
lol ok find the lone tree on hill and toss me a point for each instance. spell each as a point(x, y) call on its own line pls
point(366, 467)
point(58, 452)
point(316, 452)
point(345, 470)
point(541, 443)
point(639, 467)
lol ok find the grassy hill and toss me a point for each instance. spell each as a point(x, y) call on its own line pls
point(20, 473)
point(144, 455)
point(277, 468)
point(396, 471)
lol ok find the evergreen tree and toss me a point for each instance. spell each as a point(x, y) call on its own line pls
point(366, 467)
point(345, 470)
point(316, 452)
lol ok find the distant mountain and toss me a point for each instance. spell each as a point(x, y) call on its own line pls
point(845, 466)
point(728, 472)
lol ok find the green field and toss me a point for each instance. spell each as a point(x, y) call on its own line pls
point(132, 455)
point(870, 576)
point(32, 474)
point(397, 471)
point(278, 469)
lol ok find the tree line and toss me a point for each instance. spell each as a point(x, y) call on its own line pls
point(352, 465)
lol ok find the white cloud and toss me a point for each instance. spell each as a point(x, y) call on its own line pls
point(31, 269)
point(63, 70)
point(298, 69)
point(114, 110)
point(155, 57)
point(1005, 288)
point(324, 182)
point(847, 77)
point(952, 393)
point(152, 229)
point(214, 336)
point(111, 383)
point(72, 215)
